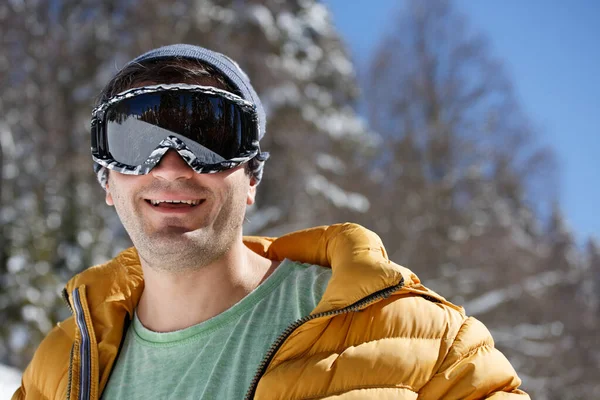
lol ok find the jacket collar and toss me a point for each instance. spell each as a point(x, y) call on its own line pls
point(359, 263)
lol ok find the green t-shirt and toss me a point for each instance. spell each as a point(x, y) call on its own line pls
point(217, 358)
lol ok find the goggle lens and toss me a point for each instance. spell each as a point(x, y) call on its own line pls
point(214, 128)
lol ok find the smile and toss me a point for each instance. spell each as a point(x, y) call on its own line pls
point(174, 206)
point(190, 202)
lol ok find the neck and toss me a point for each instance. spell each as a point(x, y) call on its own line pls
point(173, 301)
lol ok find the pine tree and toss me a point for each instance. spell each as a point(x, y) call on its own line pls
point(465, 188)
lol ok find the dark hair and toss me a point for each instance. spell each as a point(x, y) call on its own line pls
point(170, 70)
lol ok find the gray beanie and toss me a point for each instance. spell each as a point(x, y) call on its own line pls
point(226, 67)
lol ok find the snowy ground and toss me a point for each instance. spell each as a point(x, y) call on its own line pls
point(10, 379)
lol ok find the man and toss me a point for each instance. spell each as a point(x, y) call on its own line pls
point(196, 310)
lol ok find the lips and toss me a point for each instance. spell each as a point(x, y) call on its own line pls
point(174, 204)
point(170, 202)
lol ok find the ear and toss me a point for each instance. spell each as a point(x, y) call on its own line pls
point(251, 192)
point(109, 199)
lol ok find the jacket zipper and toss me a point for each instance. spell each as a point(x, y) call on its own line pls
point(65, 297)
point(379, 295)
point(84, 349)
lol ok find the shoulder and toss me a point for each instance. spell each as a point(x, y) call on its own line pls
point(47, 374)
point(444, 349)
point(411, 320)
point(418, 313)
point(396, 344)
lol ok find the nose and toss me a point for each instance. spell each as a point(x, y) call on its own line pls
point(172, 167)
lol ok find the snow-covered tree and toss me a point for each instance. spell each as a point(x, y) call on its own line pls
point(464, 190)
point(453, 181)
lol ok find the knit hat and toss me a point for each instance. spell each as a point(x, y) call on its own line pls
point(226, 67)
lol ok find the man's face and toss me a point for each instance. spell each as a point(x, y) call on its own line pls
point(178, 237)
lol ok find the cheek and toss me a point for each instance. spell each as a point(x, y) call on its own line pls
point(234, 197)
point(117, 194)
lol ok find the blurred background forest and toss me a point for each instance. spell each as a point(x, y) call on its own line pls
point(441, 162)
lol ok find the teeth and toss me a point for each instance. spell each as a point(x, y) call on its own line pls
point(190, 202)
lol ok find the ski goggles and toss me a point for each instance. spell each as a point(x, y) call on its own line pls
point(211, 129)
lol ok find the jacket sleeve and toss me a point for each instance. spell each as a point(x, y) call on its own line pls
point(46, 376)
point(19, 394)
point(473, 369)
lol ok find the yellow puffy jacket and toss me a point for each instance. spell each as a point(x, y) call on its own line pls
point(377, 333)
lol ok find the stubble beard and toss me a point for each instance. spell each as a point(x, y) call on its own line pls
point(175, 249)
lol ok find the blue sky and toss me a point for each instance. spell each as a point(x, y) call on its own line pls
point(551, 51)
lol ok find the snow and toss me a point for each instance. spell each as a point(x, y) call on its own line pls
point(291, 25)
point(263, 17)
point(534, 284)
point(16, 263)
point(6, 139)
point(341, 63)
point(10, 379)
point(330, 163)
point(256, 220)
point(322, 97)
point(286, 94)
point(317, 18)
point(338, 196)
point(530, 339)
point(489, 301)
